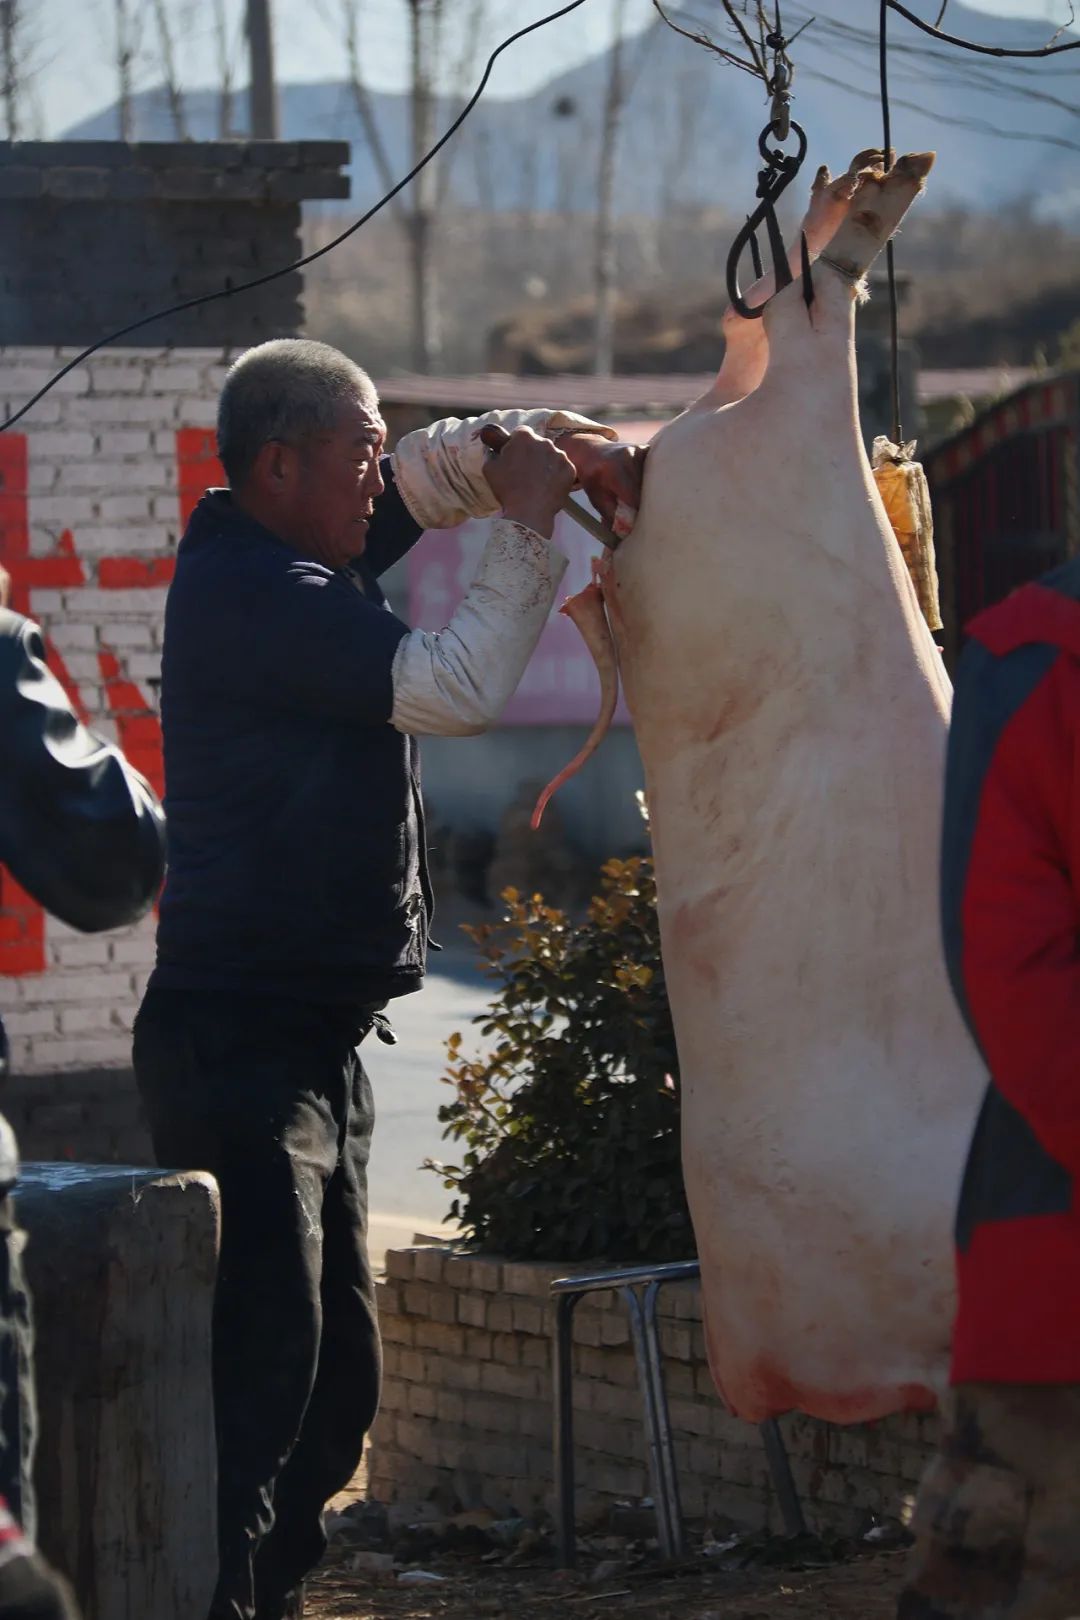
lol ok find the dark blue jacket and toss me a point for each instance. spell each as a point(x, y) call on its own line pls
point(296, 856)
point(79, 829)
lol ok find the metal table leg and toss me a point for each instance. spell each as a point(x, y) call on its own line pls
point(665, 1442)
point(666, 1531)
point(783, 1483)
point(563, 1437)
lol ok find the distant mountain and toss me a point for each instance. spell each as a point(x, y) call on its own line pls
point(1006, 132)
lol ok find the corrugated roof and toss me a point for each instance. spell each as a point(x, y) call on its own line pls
point(644, 396)
point(661, 395)
point(974, 382)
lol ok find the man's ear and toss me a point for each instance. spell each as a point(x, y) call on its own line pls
point(274, 467)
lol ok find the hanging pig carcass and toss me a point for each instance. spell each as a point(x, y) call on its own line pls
point(791, 709)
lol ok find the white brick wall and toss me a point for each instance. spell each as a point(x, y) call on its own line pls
point(102, 488)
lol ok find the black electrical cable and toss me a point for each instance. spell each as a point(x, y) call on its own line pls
point(300, 264)
point(890, 258)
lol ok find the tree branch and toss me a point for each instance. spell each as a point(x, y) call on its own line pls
point(969, 44)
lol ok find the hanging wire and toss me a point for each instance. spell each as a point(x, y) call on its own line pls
point(890, 257)
point(230, 291)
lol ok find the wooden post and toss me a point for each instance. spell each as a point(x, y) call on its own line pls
point(121, 1266)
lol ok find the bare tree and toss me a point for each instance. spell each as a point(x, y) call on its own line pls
point(125, 57)
point(9, 22)
point(425, 20)
point(606, 255)
point(225, 73)
point(173, 91)
point(350, 17)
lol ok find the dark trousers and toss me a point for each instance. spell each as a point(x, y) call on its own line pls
point(273, 1100)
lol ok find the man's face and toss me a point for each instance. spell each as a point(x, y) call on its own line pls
point(335, 483)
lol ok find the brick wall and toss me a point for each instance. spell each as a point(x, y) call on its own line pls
point(466, 1412)
point(92, 1116)
point(94, 234)
point(95, 486)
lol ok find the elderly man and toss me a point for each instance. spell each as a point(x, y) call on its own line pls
point(297, 902)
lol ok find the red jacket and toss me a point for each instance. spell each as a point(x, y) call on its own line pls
point(1011, 916)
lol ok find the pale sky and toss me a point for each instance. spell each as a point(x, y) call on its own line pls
point(71, 43)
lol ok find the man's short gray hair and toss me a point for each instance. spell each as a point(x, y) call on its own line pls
point(289, 389)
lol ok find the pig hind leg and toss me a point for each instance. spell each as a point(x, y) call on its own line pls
point(746, 343)
point(817, 343)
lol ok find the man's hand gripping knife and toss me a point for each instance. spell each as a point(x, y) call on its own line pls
point(456, 682)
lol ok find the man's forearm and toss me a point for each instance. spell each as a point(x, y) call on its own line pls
point(439, 470)
point(456, 682)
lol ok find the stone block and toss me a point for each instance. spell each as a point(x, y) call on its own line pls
point(125, 1406)
point(84, 184)
point(500, 1316)
point(450, 1405)
point(324, 153)
point(442, 1306)
point(506, 1349)
point(536, 1353)
point(394, 1395)
point(521, 1382)
point(421, 1401)
point(471, 1310)
point(400, 1264)
point(417, 1299)
point(614, 1328)
point(283, 186)
point(21, 182)
point(478, 1344)
point(398, 1330)
point(529, 1278)
point(430, 1264)
point(528, 1317)
point(447, 1340)
point(459, 1375)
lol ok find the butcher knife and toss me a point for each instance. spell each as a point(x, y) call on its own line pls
point(495, 437)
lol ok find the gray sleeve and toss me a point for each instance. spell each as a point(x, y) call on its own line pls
point(456, 682)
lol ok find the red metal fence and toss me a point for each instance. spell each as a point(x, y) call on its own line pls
point(1005, 495)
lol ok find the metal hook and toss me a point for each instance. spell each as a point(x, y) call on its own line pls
point(773, 180)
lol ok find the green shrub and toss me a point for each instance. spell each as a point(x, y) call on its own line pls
point(571, 1123)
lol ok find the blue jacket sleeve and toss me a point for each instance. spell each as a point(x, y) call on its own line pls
point(393, 530)
point(79, 829)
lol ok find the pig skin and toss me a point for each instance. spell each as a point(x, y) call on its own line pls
point(791, 712)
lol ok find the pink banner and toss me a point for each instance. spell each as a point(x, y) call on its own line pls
point(560, 685)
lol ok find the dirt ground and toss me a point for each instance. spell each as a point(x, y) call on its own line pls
point(865, 1589)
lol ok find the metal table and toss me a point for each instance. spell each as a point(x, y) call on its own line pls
point(639, 1288)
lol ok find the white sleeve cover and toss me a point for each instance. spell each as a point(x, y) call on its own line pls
point(456, 682)
point(439, 470)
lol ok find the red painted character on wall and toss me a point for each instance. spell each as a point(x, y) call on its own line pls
point(138, 729)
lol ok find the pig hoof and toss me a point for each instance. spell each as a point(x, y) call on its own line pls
point(915, 166)
point(872, 158)
point(878, 204)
